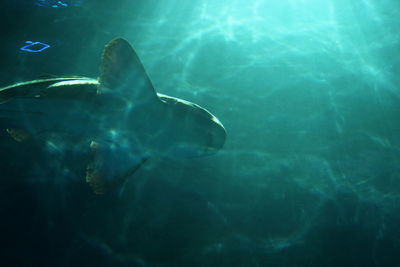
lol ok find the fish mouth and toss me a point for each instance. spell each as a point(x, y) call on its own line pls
point(217, 138)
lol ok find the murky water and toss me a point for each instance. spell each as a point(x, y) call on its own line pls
point(308, 92)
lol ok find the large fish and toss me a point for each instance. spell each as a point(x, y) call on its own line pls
point(118, 119)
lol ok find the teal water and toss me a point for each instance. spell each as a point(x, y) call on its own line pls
point(308, 92)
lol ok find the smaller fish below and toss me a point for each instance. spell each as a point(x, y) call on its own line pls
point(118, 118)
point(17, 134)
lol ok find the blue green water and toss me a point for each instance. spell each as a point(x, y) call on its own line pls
point(308, 91)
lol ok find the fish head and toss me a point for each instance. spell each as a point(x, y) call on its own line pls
point(197, 131)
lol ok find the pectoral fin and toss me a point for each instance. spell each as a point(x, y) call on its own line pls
point(107, 168)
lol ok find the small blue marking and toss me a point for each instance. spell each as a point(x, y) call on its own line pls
point(57, 4)
point(62, 4)
point(42, 46)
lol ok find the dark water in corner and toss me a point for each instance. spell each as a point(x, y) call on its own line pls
point(310, 174)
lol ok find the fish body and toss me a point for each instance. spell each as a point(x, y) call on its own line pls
point(119, 118)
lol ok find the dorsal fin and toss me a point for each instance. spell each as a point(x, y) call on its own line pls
point(122, 70)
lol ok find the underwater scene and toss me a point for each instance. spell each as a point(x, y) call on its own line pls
point(200, 133)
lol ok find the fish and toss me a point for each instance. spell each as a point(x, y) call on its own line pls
point(118, 119)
